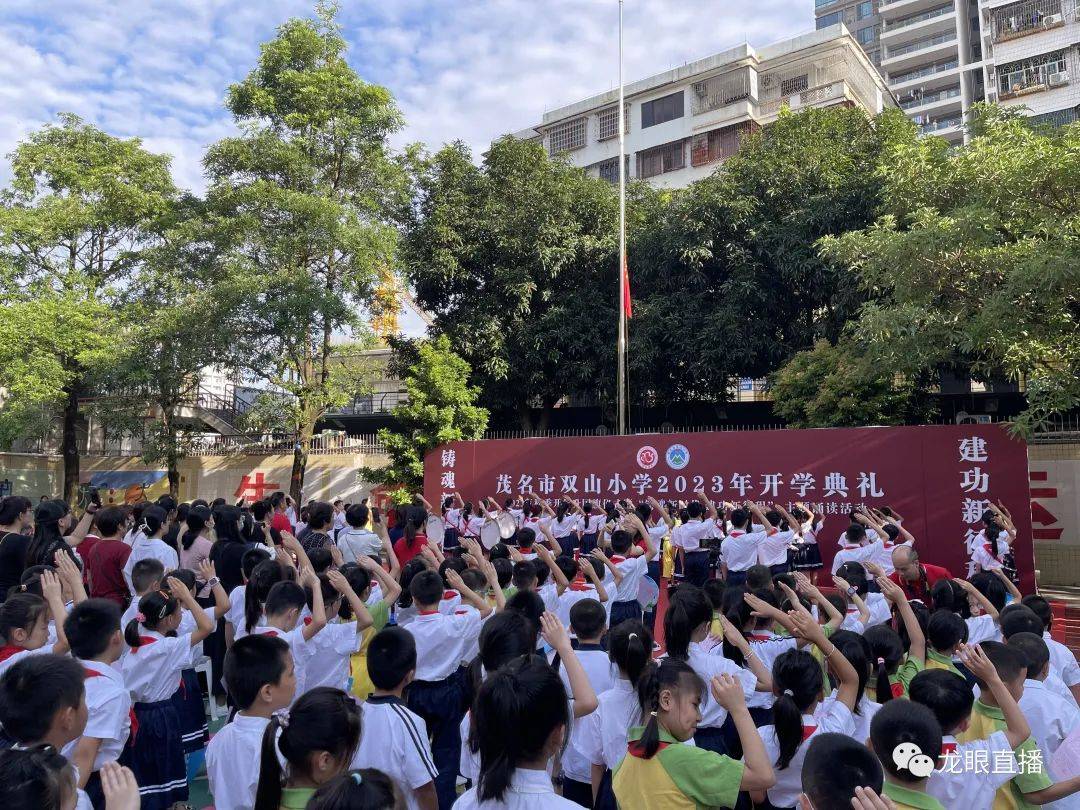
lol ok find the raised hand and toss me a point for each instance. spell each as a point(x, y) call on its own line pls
point(120, 788)
point(207, 570)
point(179, 590)
point(553, 632)
point(728, 692)
point(890, 590)
point(335, 556)
point(454, 580)
point(338, 580)
point(50, 587)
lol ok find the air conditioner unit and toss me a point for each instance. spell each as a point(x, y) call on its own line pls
point(1052, 19)
point(701, 89)
point(1058, 79)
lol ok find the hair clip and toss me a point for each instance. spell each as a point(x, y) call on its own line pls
point(653, 714)
point(140, 618)
point(789, 693)
point(356, 777)
point(283, 720)
point(881, 661)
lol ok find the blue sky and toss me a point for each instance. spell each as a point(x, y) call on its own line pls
point(467, 69)
point(459, 69)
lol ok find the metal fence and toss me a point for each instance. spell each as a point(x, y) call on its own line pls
point(266, 444)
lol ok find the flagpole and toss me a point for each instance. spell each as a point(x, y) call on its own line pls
point(621, 377)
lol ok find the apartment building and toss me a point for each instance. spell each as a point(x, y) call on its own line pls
point(683, 123)
point(860, 17)
point(940, 57)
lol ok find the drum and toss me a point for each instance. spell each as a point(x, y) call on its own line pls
point(490, 534)
point(505, 522)
point(648, 593)
point(435, 529)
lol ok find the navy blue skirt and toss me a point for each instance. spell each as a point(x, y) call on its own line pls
point(621, 611)
point(188, 700)
point(156, 756)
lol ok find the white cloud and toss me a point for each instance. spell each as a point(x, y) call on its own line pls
point(459, 68)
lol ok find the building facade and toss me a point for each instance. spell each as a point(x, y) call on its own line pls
point(682, 124)
point(941, 57)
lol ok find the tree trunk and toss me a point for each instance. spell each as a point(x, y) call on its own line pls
point(70, 444)
point(525, 417)
point(300, 454)
point(172, 455)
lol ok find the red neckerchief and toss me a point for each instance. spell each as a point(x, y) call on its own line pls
point(90, 673)
point(271, 633)
point(617, 559)
point(143, 641)
point(636, 749)
point(307, 621)
point(897, 690)
point(761, 637)
point(427, 613)
point(580, 586)
point(9, 650)
point(449, 595)
point(807, 731)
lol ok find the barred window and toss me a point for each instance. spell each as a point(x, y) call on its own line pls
point(609, 170)
point(609, 122)
point(566, 136)
point(718, 144)
point(661, 159)
point(796, 84)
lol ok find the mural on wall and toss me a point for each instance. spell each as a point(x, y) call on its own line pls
point(126, 486)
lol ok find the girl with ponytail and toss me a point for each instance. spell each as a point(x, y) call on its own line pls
point(264, 576)
point(148, 543)
point(152, 671)
point(856, 649)
point(317, 739)
point(798, 684)
point(670, 696)
point(893, 669)
point(686, 629)
point(520, 717)
point(194, 547)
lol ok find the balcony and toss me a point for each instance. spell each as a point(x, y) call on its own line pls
point(929, 99)
point(922, 73)
point(905, 23)
point(1032, 76)
point(821, 96)
point(937, 127)
point(722, 91)
point(905, 8)
point(921, 45)
point(1022, 19)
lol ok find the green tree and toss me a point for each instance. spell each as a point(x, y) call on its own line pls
point(303, 198)
point(82, 209)
point(976, 260)
point(831, 386)
point(516, 260)
point(441, 408)
point(726, 276)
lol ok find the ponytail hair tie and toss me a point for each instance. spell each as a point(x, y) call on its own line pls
point(880, 661)
point(632, 635)
point(653, 714)
point(140, 618)
point(789, 693)
point(283, 720)
point(356, 777)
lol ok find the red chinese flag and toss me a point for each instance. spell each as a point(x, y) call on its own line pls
point(627, 306)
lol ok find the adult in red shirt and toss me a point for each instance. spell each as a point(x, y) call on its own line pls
point(280, 520)
point(914, 577)
point(410, 544)
point(105, 561)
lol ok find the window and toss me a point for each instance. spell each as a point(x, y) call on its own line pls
point(830, 19)
point(661, 110)
point(566, 137)
point(796, 84)
point(820, 3)
point(609, 170)
point(609, 122)
point(662, 159)
point(866, 35)
point(719, 144)
point(864, 10)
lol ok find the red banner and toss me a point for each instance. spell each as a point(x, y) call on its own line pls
point(938, 478)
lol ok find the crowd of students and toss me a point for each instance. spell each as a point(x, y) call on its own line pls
point(367, 667)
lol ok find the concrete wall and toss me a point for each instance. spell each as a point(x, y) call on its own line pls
point(328, 476)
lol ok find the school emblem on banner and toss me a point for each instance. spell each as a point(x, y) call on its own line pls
point(647, 457)
point(678, 456)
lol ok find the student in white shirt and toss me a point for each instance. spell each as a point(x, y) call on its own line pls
point(327, 662)
point(152, 674)
point(586, 581)
point(356, 539)
point(594, 524)
point(394, 740)
point(950, 698)
point(150, 544)
point(588, 622)
point(739, 549)
point(797, 682)
point(878, 606)
point(566, 527)
point(775, 551)
point(261, 680)
point(24, 623)
point(234, 617)
point(687, 539)
point(522, 717)
point(1062, 661)
point(989, 547)
point(859, 549)
point(625, 604)
point(686, 627)
point(856, 650)
point(284, 606)
point(93, 628)
point(1052, 718)
point(441, 641)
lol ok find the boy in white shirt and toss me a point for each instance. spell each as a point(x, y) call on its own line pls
point(586, 579)
point(283, 607)
point(1062, 661)
point(633, 570)
point(149, 544)
point(739, 549)
point(687, 539)
point(93, 630)
point(395, 741)
point(859, 549)
point(1051, 717)
point(260, 678)
point(437, 694)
